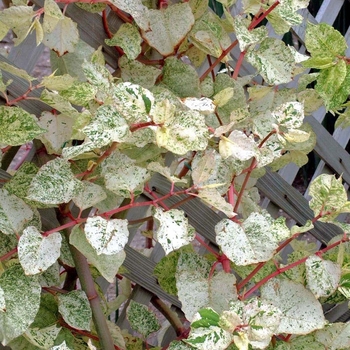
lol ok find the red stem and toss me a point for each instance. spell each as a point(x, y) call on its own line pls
point(290, 266)
point(9, 254)
point(238, 65)
point(207, 247)
point(256, 21)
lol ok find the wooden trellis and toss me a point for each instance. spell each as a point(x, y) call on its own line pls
point(276, 187)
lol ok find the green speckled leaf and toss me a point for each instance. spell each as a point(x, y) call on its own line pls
point(22, 300)
point(58, 102)
point(181, 78)
point(75, 309)
point(14, 213)
point(123, 176)
point(167, 28)
point(335, 336)
point(43, 338)
point(252, 242)
point(36, 253)
point(62, 346)
point(141, 319)
point(138, 73)
point(209, 35)
point(54, 183)
point(107, 126)
point(129, 39)
point(273, 61)
point(107, 236)
point(107, 265)
point(173, 231)
point(89, 196)
point(301, 312)
point(17, 126)
point(213, 198)
point(59, 131)
point(322, 276)
point(79, 94)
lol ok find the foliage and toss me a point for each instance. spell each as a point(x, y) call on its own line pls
point(105, 135)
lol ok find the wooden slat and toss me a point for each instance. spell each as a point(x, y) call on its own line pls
point(294, 204)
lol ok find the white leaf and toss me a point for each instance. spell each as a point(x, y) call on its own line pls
point(323, 276)
point(334, 336)
point(59, 130)
point(75, 309)
point(238, 145)
point(254, 241)
point(203, 105)
point(301, 312)
point(36, 253)
point(14, 213)
point(62, 346)
point(213, 198)
point(54, 183)
point(173, 231)
point(106, 236)
point(107, 265)
point(63, 38)
point(89, 196)
point(167, 28)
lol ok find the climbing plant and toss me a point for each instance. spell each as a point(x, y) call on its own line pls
point(180, 107)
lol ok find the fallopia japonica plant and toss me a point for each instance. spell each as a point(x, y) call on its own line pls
point(106, 134)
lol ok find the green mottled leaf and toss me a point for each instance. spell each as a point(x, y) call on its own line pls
point(59, 131)
point(134, 103)
point(329, 197)
point(252, 242)
point(141, 319)
point(181, 78)
point(173, 230)
point(323, 276)
point(62, 346)
point(58, 82)
point(301, 312)
point(165, 269)
point(286, 15)
point(178, 345)
point(245, 37)
point(36, 252)
point(19, 19)
point(75, 309)
point(17, 126)
point(333, 85)
point(43, 338)
point(107, 126)
point(138, 73)
point(106, 236)
point(51, 276)
point(322, 41)
point(54, 183)
point(63, 38)
point(22, 299)
point(79, 94)
point(273, 61)
point(334, 336)
point(129, 39)
point(167, 28)
point(107, 265)
point(213, 337)
point(209, 35)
